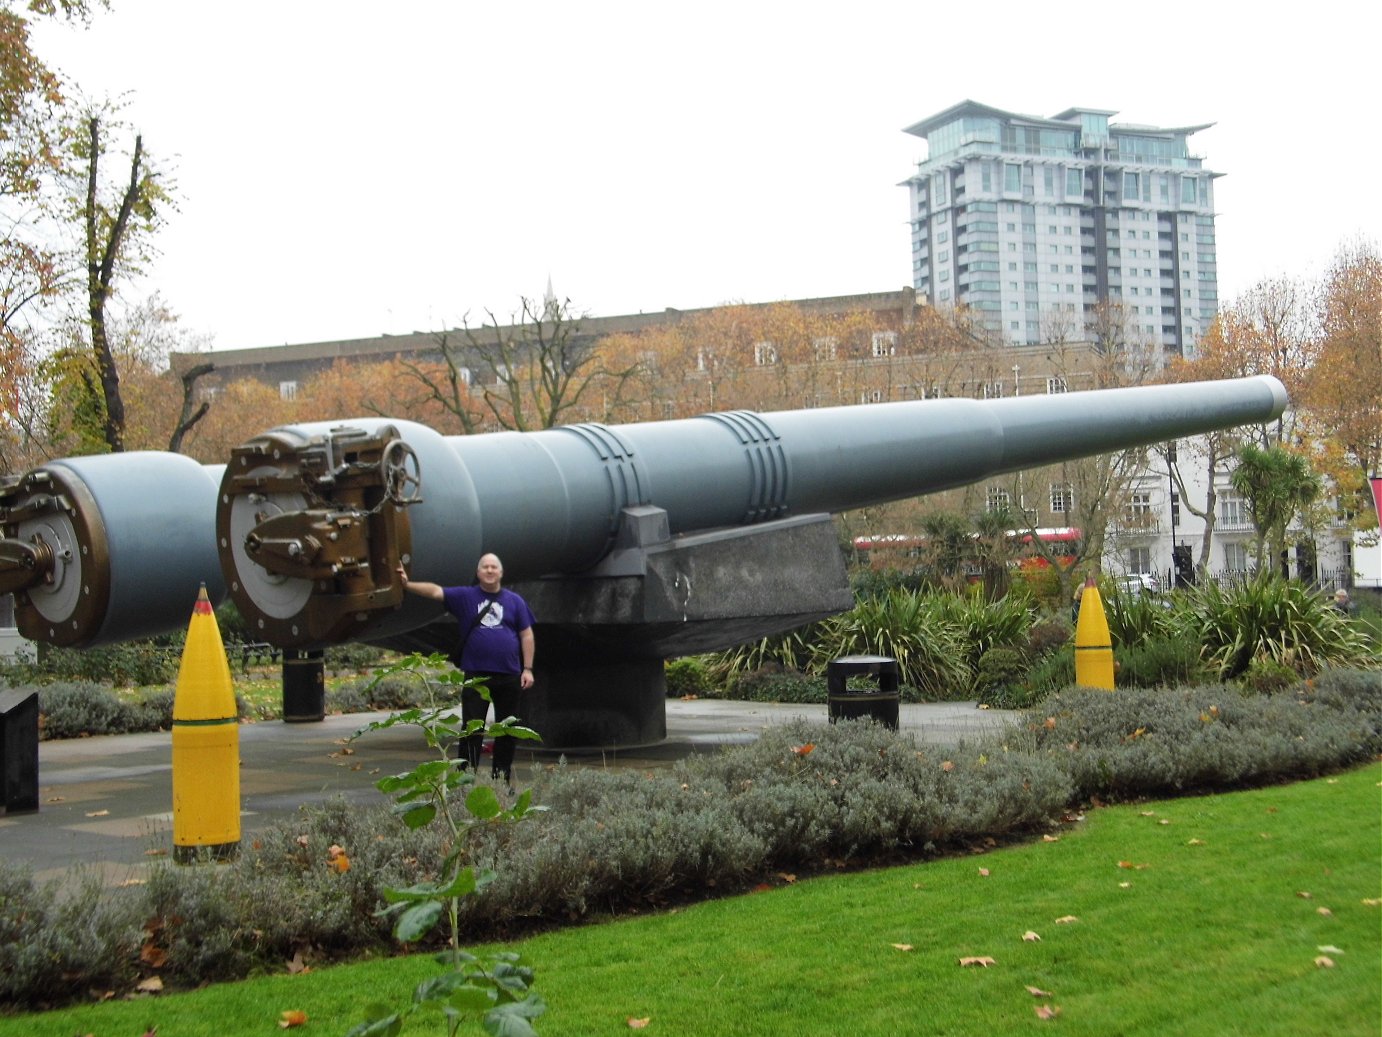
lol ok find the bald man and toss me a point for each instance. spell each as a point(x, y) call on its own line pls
point(496, 632)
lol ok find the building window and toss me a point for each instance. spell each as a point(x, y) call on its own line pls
point(1056, 384)
point(942, 237)
point(825, 347)
point(998, 499)
point(764, 353)
point(994, 390)
point(1233, 511)
point(1012, 177)
point(1140, 560)
point(871, 396)
point(1187, 190)
point(1236, 557)
point(884, 343)
point(1062, 498)
point(287, 390)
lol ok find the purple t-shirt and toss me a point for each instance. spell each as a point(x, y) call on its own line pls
point(493, 645)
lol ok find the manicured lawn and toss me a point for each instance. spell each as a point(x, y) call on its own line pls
point(1192, 916)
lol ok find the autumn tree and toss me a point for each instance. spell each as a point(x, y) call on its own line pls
point(34, 122)
point(1342, 393)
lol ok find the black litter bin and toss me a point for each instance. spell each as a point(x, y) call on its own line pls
point(19, 751)
point(304, 687)
point(878, 702)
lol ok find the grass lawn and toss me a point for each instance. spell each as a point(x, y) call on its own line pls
point(1191, 916)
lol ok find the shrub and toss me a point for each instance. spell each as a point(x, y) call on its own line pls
point(1047, 636)
point(128, 664)
point(1159, 662)
point(688, 676)
point(1274, 618)
point(1055, 672)
point(998, 670)
point(904, 627)
point(1135, 618)
point(68, 710)
point(802, 797)
point(1146, 742)
point(352, 658)
point(54, 939)
point(767, 686)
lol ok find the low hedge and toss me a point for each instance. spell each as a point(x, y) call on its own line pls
point(803, 797)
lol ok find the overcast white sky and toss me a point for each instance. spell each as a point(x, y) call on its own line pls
point(347, 169)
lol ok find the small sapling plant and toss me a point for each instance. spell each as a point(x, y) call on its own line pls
point(495, 989)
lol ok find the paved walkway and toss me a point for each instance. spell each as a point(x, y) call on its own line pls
point(105, 803)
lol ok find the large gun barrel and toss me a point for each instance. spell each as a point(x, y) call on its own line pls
point(312, 520)
point(108, 547)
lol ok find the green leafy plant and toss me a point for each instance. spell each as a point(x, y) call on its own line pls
point(906, 627)
point(497, 988)
point(1282, 620)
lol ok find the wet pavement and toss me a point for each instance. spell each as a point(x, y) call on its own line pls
point(106, 803)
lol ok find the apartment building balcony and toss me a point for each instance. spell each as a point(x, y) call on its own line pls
point(1133, 524)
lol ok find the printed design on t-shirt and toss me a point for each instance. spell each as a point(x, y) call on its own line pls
point(494, 617)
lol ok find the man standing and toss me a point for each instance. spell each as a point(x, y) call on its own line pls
point(496, 631)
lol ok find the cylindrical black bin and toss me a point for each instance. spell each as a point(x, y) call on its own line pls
point(19, 751)
point(304, 687)
point(880, 704)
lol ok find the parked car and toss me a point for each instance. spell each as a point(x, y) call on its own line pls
point(1136, 584)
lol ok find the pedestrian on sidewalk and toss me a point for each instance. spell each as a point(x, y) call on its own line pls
point(496, 643)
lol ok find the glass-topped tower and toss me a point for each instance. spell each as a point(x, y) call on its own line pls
point(1046, 227)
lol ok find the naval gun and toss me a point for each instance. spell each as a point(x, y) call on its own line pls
point(633, 543)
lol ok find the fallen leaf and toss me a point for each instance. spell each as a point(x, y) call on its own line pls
point(1330, 949)
point(1047, 1011)
point(689, 698)
point(292, 1017)
point(54, 799)
point(152, 985)
point(1038, 992)
point(786, 877)
point(1066, 919)
point(99, 813)
point(947, 766)
point(130, 882)
point(904, 946)
point(1163, 821)
point(984, 872)
point(1303, 894)
point(1372, 901)
point(638, 1024)
point(1149, 813)
point(1324, 911)
point(1195, 842)
point(155, 957)
point(156, 852)
point(763, 887)
point(296, 965)
point(1134, 867)
point(1050, 724)
point(1030, 937)
point(1324, 962)
point(1125, 885)
point(1050, 838)
point(804, 750)
point(982, 962)
point(303, 840)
